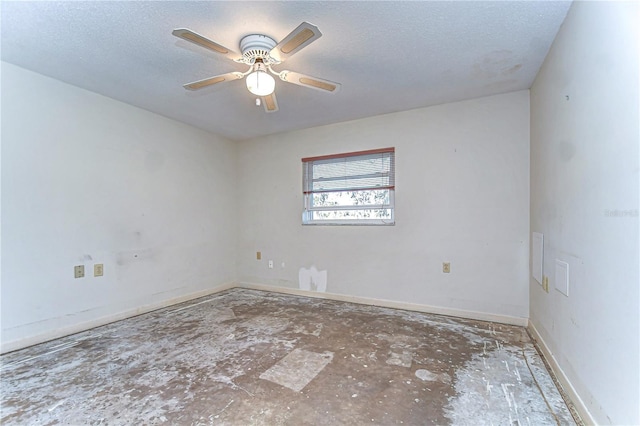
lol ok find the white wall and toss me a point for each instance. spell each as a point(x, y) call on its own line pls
point(584, 168)
point(462, 197)
point(87, 179)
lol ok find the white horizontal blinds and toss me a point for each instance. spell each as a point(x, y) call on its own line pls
point(354, 171)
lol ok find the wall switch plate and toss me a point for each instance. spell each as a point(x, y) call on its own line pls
point(258, 255)
point(446, 267)
point(78, 271)
point(545, 283)
point(271, 264)
point(98, 270)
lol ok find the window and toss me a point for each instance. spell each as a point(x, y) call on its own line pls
point(355, 188)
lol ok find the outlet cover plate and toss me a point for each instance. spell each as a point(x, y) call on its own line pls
point(98, 270)
point(78, 271)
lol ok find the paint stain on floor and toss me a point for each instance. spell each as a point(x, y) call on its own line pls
point(247, 357)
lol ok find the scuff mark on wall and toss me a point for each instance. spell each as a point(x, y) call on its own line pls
point(312, 280)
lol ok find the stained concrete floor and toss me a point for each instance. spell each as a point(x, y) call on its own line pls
point(246, 357)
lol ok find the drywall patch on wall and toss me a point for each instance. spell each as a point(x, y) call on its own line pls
point(312, 280)
point(562, 277)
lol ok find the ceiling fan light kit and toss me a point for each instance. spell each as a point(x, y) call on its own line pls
point(260, 53)
point(260, 83)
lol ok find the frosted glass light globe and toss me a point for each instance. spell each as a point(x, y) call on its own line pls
point(260, 83)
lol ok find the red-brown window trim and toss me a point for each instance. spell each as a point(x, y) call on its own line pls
point(349, 154)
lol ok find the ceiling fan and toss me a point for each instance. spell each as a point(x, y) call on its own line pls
point(260, 53)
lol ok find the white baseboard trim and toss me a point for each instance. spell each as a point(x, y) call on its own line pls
point(567, 387)
point(14, 345)
point(482, 316)
point(87, 325)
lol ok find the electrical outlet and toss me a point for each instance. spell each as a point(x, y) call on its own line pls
point(271, 264)
point(446, 267)
point(545, 283)
point(258, 255)
point(98, 270)
point(78, 271)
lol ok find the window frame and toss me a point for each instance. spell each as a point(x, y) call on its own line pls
point(309, 210)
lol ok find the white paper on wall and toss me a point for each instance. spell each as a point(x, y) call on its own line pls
point(562, 277)
point(537, 256)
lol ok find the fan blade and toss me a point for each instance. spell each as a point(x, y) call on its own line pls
point(213, 80)
point(308, 81)
point(270, 102)
point(298, 39)
point(202, 41)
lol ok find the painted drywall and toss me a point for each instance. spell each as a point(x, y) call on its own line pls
point(584, 199)
point(86, 180)
point(462, 173)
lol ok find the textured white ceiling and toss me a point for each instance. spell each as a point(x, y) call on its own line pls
point(389, 56)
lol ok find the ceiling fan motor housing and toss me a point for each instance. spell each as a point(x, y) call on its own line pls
point(256, 46)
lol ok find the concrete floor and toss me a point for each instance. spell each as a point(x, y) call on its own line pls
point(246, 357)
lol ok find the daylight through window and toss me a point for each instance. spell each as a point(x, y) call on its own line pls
point(355, 188)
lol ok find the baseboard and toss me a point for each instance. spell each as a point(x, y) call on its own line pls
point(482, 316)
point(14, 345)
point(567, 387)
point(87, 325)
